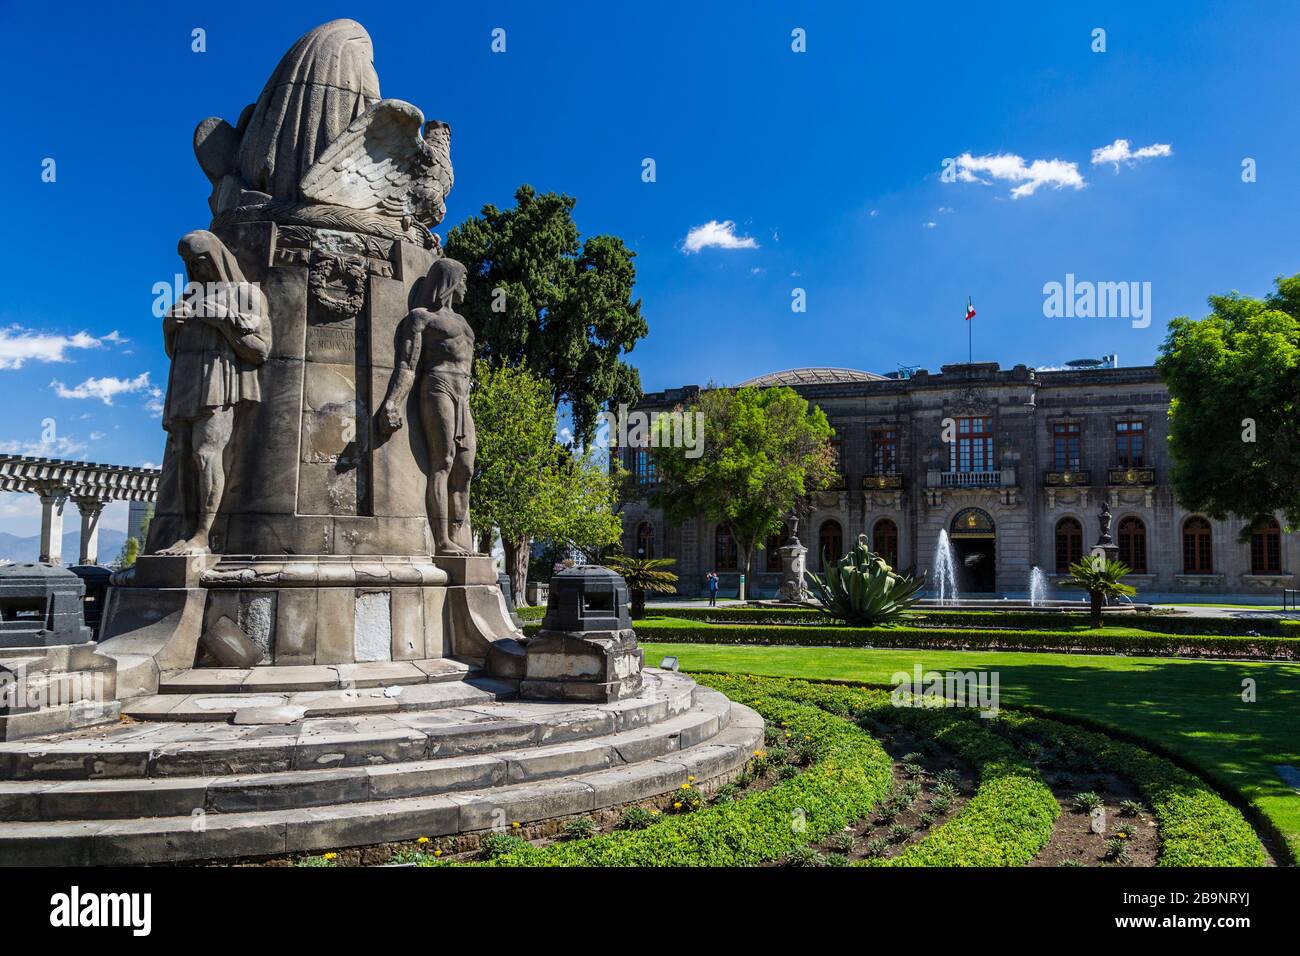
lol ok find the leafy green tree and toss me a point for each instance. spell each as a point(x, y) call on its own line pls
point(1102, 579)
point(542, 299)
point(526, 484)
point(1234, 417)
point(644, 574)
point(764, 449)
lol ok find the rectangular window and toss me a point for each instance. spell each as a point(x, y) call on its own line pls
point(973, 449)
point(1130, 444)
point(643, 466)
point(884, 451)
point(1066, 446)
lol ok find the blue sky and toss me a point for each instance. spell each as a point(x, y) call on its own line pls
point(829, 162)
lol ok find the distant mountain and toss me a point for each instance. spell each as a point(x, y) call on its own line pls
point(14, 548)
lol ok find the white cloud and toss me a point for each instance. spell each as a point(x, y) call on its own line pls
point(104, 389)
point(1120, 152)
point(930, 225)
point(944, 210)
point(721, 235)
point(1011, 168)
point(19, 345)
point(60, 447)
point(874, 213)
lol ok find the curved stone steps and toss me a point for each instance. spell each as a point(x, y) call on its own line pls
point(266, 707)
point(151, 750)
point(293, 678)
point(33, 800)
point(212, 835)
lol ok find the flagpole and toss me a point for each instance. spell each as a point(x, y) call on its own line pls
point(970, 338)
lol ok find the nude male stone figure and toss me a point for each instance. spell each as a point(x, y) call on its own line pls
point(436, 351)
point(216, 337)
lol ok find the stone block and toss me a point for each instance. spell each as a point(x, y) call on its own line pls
point(229, 645)
point(373, 626)
point(335, 620)
point(295, 626)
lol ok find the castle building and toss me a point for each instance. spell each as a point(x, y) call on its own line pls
point(1032, 457)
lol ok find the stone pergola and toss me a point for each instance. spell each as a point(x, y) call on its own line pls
point(88, 485)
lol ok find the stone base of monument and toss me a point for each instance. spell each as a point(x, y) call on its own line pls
point(274, 761)
point(594, 665)
point(51, 678)
point(301, 611)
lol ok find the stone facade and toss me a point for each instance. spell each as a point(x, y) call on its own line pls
point(1002, 489)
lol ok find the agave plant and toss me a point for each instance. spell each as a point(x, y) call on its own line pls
point(1102, 579)
point(862, 589)
point(643, 574)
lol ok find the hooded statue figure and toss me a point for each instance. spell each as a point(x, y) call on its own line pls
point(216, 337)
point(325, 81)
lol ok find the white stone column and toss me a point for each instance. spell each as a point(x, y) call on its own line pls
point(90, 508)
point(52, 502)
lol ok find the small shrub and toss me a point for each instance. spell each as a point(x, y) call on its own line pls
point(926, 819)
point(1116, 850)
point(1087, 801)
point(946, 789)
point(635, 818)
point(787, 771)
point(836, 859)
point(726, 793)
point(804, 856)
point(898, 832)
point(327, 860)
point(911, 757)
point(949, 776)
point(500, 844)
point(877, 847)
point(941, 804)
point(887, 811)
point(688, 799)
point(1130, 808)
point(579, 829)
point(1071, 863)
point(842, 842)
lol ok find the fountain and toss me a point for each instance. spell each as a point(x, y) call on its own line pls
point(1037, 586)
point(945, 569)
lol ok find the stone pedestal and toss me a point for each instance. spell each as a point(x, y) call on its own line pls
point(794, 562)
point(40, 606)
point(586, 648)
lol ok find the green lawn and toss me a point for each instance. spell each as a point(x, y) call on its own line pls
point(1191, 708)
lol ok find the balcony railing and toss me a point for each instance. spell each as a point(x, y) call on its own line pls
point(882, 481)
point(1067, 479)
point(1131, 476)
point(971, 479)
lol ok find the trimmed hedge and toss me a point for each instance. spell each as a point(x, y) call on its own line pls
point(671, 631)
point(850, 775)
point(1167, 623)
point(1007, 821)
point(1197, 826)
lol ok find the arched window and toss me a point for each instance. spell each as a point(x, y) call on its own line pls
point(645, 540)
point(724, 549)
point(773, 548)
point(1266, 548)
point(1069, 544)
point(884, 541)
point(830, 543)
point(1198, 547)
point(1133, 544)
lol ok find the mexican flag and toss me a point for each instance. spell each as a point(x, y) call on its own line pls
point(970, 310)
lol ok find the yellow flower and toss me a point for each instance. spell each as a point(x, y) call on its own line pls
point(422, 840)
point(677, 806)
point(437, 853)
point(686, 786)
point(516, 825)
point(691, 778)
point(331, 856)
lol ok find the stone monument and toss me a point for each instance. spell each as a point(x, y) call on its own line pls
point(294, 504)
point(794, 562)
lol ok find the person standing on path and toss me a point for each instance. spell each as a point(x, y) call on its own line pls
point(713, 588)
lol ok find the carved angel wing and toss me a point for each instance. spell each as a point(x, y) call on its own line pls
point(382, 164)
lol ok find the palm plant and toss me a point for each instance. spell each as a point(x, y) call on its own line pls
point(1102, 578)
point(862, 589)
point(643, 574)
